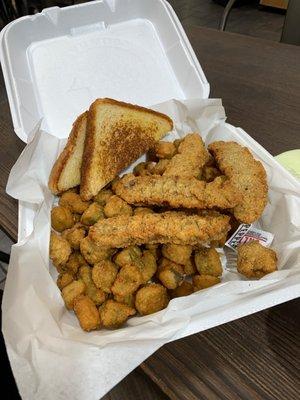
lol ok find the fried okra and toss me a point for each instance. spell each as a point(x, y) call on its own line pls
point(59, 250)
point(129, 299)
point(165, 149)
point(64, 279)
point(113, 314)
point(184, 289)
point(87, 313)
point(151, 298)
point(71, 291)
point(115, 206)
point(74, 202)
point(93, 253)
point(208, 262)
point(255, 261)
point(74, 263)
point(170, 274)
point(92, 214)
point(177, 253)
point(160, 167)
point(61, 218)
point(148, 266)
point(129, 255)
point(204, 281)
point(75, 235)
point(128, 280)
point(103, 196)
point(104, 274)
point(142, 210)
point(96, 294)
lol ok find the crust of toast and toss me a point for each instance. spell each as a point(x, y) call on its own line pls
point(121, 149)
point(61, 162)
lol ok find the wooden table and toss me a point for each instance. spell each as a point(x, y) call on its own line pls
point(256, 357)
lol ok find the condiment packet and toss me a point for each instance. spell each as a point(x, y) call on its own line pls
point(246, 233)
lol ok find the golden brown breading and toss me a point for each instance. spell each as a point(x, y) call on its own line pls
point(142, 210)
point(71, 291)
point(190, 267)
point(128, 256)
point(192, 156)
point(184, 289)
point(87, 313)
point(169, 227)
point(165, 149)
point(74, 202)
point(96, 294)
point(128, 280)
point(177, 192)
point(61, 218)
point(169, 273)
point(59, 250)
point(246, 174)
point(75, 235)
point(93, 253)
point(143, 168)
point(104, 274)
point(208, 262)
point(148, 266)
point(255, 261)
point(64, 279)
point(210, 173)
point(113, 314)
point(151, 298)
point(92, 214)
point(103, 196)
point(129, 299)
point(75, 261)
point(115, 206)
point(160, 167)
point(180, 254)
point(204, 281)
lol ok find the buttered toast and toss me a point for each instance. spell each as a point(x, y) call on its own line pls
point(117, 134)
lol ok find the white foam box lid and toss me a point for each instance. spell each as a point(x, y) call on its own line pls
point(57, 62)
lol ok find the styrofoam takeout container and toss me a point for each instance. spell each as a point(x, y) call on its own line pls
point(57, 62)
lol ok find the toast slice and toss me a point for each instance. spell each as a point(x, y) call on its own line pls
point(65, 173)
point(117, 134)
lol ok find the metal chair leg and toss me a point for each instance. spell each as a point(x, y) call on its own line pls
point(225, 15)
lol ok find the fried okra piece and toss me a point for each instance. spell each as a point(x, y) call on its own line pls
point(128, 256)
point(177, 253)
point(115, 206)
point(208, 262)
point(96, 294)
point(64, 279)
point(61, 218)
point(59, 250)
point(128, 280)
point(75, 235)
point(92, 214)
point(155, 250)
point(71, 291)
point(177, 143)
point(93, 253)
point(190, 267)
point(142, 169)
point(185, 289)
point(103, 196)
point(255, 261)
point(151, 298)
point(87, 313)
point(104, 274)
point(142, 210)
point(74, 202)
point(170, 274)
point(160, 167)
point(210, 173)
point(148, 266)
point(74, 263)
point(204, 281)
point(165, 149)
point(113, 314)
point(129, 299)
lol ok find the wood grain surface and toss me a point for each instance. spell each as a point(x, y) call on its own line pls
point(256, 357)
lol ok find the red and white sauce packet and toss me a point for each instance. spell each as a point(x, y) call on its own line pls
point(246, 233)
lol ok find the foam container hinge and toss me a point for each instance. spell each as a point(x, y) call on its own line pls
point(57, 62)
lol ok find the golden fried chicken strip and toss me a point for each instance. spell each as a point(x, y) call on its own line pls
point(176, 192)
point(192, 156)
point(247, 175)
point(168, 227)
